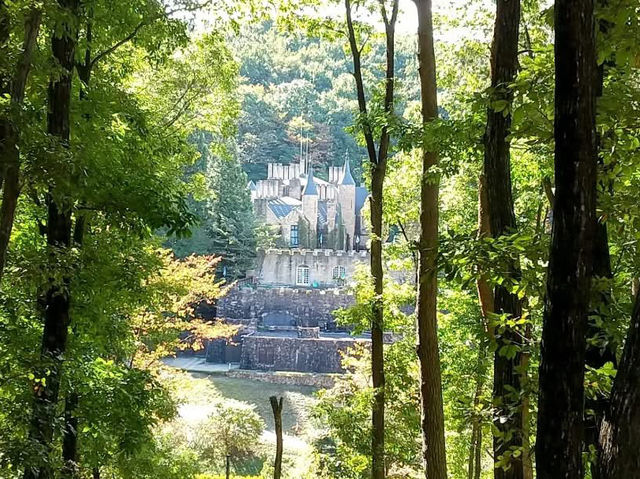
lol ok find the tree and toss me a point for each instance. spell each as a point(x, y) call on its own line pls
point(58, 231)
point(377, 167)
point(232, 223)
point(560, 414)
point(232, 430)
point(618, 453)
point(507, 377)
point(432, 421)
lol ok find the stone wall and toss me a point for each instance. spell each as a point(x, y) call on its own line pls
point(279, 266)
point(294, 354)
point(308, 307)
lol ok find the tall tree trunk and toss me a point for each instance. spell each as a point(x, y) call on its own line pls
point(475, 447)
point(9, 136)
point(619, 457)
point(432, 415)
point(56, 300)
point(378, 168)
point(70, 438)
point(561, 401)
point(497, 172)
point(276, 406)
point(601, 347)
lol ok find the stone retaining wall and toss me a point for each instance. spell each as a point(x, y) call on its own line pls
point(294, 354)
point(307, 307)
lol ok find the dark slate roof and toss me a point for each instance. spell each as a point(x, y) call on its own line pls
point(281, 207)
point(310, 187)
point(361, 196)
point(347, 178)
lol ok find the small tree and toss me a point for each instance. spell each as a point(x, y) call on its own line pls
point(233, 429)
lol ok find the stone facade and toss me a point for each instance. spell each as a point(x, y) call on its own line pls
point(309, 212)
point(283, 308)
point(323, 355)
point(325, 268)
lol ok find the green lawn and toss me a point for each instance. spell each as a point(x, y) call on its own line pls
point(297, 399)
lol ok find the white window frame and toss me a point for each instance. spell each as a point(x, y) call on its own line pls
point(302, 275)
point(339, 272)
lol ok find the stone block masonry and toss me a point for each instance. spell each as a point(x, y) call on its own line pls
point(277, 306)
point(321, 355)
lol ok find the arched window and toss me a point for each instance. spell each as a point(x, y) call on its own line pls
point(339, 272)
point(302, 276)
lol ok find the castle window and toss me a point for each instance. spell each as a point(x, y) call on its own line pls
point(339, 272)
point(302, 276)
point(294, 239)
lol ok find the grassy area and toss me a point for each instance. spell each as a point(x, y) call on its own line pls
point(298, 400)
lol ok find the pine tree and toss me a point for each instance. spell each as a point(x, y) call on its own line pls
point(231, 221)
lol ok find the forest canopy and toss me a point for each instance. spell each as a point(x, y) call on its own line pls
point(499, 146)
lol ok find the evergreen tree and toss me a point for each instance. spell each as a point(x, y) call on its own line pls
point(231, 222)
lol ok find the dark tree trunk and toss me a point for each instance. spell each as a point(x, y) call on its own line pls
point(497, 173)
point(619, 457)
point(70, 438)
point(9, 136)
point(276, 406)
point(56, 299)
point(432, 415)
point(378, 168)
point(561, 401)
point(601, 347)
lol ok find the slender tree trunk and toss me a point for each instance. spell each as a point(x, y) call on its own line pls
point(378, 168)
point(70, 438)
point(95, 473)
point(475, 448)
point(432, 415)
point(56, 299)
point(377, 326)
point(497, 172)
point(561, 402)
point(9, 136)
point(276, 406)
point(619, 457)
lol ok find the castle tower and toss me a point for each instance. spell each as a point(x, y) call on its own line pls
point(310, 207)
point(347, 202)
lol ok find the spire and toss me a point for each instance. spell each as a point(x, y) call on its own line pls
point(347, 179)
point(310, 187)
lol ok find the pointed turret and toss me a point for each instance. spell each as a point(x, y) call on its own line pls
point(347, 178)
point(310, 188)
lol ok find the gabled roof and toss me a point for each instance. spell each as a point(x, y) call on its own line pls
point(251, 185)
point(282, 207)
point(347, 178)
point(310, 188)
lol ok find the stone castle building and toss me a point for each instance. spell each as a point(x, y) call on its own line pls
point(311, 213)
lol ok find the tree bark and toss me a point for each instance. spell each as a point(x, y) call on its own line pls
point(10, 136)
point(432, 415)
point(56, 300)
point(561, 400)
point(276, 406)
point(619, 457)
point(497, 172)
point(70, 438)
point(378, 168)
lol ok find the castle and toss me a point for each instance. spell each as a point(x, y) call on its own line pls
point(311, 213)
